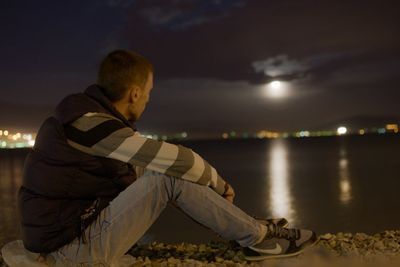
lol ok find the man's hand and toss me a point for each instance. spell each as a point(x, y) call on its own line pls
point(229, 193)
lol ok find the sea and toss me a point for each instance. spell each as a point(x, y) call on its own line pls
point(327, 184)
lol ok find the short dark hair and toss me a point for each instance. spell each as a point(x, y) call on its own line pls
point(121, 69)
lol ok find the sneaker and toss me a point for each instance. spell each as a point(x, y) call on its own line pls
point(281, 222)
point(280, 242)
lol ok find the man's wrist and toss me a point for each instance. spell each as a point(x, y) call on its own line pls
point(226, 188)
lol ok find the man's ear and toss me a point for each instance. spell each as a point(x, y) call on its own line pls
point(134, 94)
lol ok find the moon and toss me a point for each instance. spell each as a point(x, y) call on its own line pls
point(276, 89)
point(276, 85)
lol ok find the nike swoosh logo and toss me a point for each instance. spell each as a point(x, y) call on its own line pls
point(276, 250)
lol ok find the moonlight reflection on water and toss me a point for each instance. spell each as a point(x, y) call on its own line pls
point(344, 178)
point(280, 197)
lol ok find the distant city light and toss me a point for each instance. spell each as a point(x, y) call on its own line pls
point(267, 134)
point(392, 127)
point(381, 130)
point(341, 130)
point(20, 145)
point(303, 134)
point(26, 140)
point(16, 140)
point(27, 137)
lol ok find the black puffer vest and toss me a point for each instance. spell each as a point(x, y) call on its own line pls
point(63, 189)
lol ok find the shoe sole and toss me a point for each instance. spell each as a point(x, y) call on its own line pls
point(278, 256)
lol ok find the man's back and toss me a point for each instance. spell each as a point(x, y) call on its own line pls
point(60, 182)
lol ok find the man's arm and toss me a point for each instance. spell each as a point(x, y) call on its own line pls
point(103, 135)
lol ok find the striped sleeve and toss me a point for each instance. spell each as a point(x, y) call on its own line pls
point(102, 135)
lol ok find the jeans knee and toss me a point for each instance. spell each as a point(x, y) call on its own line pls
point(159, 180)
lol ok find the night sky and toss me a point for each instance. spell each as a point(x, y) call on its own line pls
point(214, 60)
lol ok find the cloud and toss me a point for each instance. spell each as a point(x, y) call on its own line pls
point(260, 40)
point(120, 3)
point(160, 16)
point(282, 67)
point(279, 65)
point(212, 57)
point(180, 15)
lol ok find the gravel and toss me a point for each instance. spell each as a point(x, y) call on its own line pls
point(340, 249)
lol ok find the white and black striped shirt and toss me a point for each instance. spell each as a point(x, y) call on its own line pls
point(101, 134)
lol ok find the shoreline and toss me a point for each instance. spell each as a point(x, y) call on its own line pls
point(357, 249)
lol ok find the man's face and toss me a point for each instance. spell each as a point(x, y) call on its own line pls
point(139, 106)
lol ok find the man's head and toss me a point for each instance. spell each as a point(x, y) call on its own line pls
point(127, 79)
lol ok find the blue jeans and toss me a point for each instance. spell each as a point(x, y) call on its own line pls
point(120, 225)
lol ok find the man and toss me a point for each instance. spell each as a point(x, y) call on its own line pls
point(81, 200)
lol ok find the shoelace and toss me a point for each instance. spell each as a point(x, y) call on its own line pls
point(287, 233)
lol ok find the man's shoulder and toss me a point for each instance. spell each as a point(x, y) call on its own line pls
point(75, 106)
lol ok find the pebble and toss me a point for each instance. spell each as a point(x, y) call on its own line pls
point(360, 237)
point(332, 243)
point(327, 236)
point(379, 245)
point(202, 248)
point(360, 246)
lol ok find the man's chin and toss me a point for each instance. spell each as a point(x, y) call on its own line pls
point(133, 118)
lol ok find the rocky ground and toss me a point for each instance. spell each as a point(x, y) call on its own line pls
point(341, 249)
